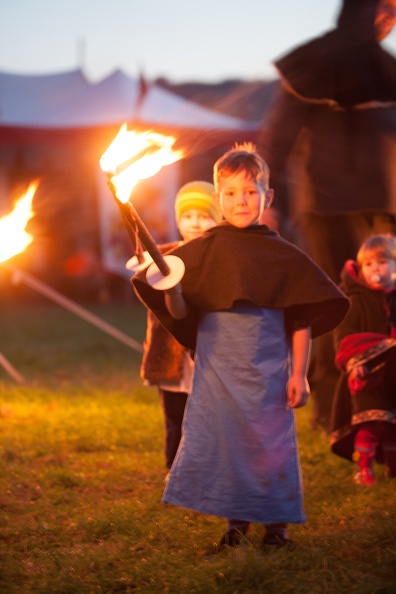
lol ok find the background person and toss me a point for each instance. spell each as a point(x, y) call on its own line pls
point(330, 142)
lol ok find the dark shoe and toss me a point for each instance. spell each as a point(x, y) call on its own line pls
point(277, 541)
point(231, 538)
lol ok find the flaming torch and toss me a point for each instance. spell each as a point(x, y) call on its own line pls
point(14, 239)
point(130, 158)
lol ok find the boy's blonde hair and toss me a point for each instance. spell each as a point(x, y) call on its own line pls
point(383, 245)
point(242, 157)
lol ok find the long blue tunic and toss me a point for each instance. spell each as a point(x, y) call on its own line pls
point(238, 457)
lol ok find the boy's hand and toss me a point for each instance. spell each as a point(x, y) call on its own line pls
point(175, 302)
point(298, 387)
point(297, 391)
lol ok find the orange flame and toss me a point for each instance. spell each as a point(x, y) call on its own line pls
point(13, 237)
point(134, 156)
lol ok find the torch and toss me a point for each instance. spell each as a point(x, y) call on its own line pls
point(130, 158)
point(14, 239)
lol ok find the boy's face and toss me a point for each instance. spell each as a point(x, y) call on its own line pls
point(193, 223)
point(242, 199)
point(378, 272)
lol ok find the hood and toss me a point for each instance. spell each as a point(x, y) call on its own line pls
point(346, 68)
point(351, 283)
point(357, 19)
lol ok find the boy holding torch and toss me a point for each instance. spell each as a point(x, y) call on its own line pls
point(248, 305)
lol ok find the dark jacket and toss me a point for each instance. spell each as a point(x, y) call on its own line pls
point(162, 359)
point(371, 311)
point(331, 134)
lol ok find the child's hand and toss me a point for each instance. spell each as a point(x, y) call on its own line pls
point(297, 391)
point(357, 379)
point(358, 373)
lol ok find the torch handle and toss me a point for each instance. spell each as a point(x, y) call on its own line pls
point(132, 232)
point(129, 224)
point(148, 242)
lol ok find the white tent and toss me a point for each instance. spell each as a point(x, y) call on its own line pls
point(65, 109)
point(68, 100)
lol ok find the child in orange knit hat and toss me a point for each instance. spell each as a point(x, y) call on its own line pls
point(166, 363)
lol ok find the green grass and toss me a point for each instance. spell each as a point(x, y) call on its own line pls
point(82, 473)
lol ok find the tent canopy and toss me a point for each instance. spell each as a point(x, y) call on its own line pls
point(68, 100)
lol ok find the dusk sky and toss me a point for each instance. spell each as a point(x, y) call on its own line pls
point(205, 41)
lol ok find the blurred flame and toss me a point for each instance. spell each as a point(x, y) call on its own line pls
point(134, 156)
point(13, 237)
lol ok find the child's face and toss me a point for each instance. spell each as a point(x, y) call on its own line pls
point(242, 199)
point(193, 223)
point(378, 272)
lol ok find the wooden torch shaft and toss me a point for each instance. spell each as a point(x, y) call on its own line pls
point(148, 242)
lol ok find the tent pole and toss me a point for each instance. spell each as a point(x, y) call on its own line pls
point(10, 369)
point(32, 282)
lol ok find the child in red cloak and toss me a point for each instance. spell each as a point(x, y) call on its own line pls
point(364, 409)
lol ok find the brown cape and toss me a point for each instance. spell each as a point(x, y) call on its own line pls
point(228, 265)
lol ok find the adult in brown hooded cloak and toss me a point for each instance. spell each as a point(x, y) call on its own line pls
point(330, 143)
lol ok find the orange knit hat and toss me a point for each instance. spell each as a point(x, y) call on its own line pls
point(197, 195)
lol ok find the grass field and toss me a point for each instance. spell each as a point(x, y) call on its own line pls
point(82, 472)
